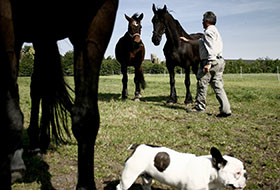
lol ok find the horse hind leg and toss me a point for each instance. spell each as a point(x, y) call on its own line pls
point(139, 82)
point(137, 93)
point(33, 129)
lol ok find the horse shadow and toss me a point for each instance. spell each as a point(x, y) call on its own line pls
point(107, 97)
point(111, 185)
point(37, 170)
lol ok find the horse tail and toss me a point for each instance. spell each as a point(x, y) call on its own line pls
point(56, 100)
point(59, 105)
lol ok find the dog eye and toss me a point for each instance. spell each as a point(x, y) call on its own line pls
point(237, 175)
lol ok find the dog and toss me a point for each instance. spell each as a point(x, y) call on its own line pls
point(182, 170)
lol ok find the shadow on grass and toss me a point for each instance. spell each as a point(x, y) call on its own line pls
point(37, 170)
point(157, 100)
point(162, 101)
point(107, 97)
point(111, 185)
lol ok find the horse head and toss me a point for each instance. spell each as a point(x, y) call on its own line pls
point(159, 24)
point(134, 26)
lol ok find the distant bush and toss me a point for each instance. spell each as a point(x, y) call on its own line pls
point(111, 66)
point(253, 66)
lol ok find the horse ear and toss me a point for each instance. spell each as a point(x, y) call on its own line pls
point(217, 159)
point(154, 9)
point(127, 18)
point(164, 8)
point(141, 16)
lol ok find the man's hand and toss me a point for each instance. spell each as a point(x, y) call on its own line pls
point(184, 39)
point(207, 68)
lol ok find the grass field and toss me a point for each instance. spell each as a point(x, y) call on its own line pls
point(252, 133)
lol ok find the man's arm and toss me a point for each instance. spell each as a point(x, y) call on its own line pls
point(192, 42)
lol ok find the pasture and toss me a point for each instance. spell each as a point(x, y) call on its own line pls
point(252, 133)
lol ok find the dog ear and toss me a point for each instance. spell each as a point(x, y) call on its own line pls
point(217, 159)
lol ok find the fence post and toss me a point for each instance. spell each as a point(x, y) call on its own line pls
point(240, 71)
point(278, 75)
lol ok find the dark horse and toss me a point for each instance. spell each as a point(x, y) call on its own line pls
point(176, 52)
point(130, 51)
point(89, 25)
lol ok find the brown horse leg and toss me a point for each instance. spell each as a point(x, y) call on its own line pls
point(173, 95)
point(89, 53)
point(11, 116)
point(188, 98)
point(124, 82)
point(137, 83)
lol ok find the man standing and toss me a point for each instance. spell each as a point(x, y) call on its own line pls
point(211, 67)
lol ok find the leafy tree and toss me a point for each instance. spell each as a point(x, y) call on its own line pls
point(68, 63)
point(26, 61)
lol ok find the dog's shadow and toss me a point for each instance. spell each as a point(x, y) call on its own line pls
point(111, 185)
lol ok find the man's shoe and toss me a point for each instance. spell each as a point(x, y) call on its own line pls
point(194, 109)
point(223, 115)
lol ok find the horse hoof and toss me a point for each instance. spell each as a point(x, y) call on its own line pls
point(171, 101)
point(137, 99)
point(17, 175)
point(188, 102)
point(138, 96)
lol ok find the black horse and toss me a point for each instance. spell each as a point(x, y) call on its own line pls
point(130, 51)
point(176, 52)
point(89, 25)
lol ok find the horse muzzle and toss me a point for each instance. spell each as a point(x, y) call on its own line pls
point(156, 39)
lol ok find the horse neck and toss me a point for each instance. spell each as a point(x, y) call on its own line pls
point(174, 30)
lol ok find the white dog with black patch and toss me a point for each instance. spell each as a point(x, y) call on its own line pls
point(181, 170)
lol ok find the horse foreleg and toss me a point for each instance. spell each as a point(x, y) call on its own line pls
point(188, 98)
point(124, 82)
point(89, 53)
point(173, 95)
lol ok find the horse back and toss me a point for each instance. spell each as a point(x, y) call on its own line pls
point(184, 54)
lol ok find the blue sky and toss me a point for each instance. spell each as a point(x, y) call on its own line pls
point(250, 28)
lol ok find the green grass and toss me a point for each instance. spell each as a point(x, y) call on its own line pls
point(252, 133)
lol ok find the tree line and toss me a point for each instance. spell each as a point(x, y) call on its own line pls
point(111, 66)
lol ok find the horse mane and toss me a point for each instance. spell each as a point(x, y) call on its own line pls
point(178, 26)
